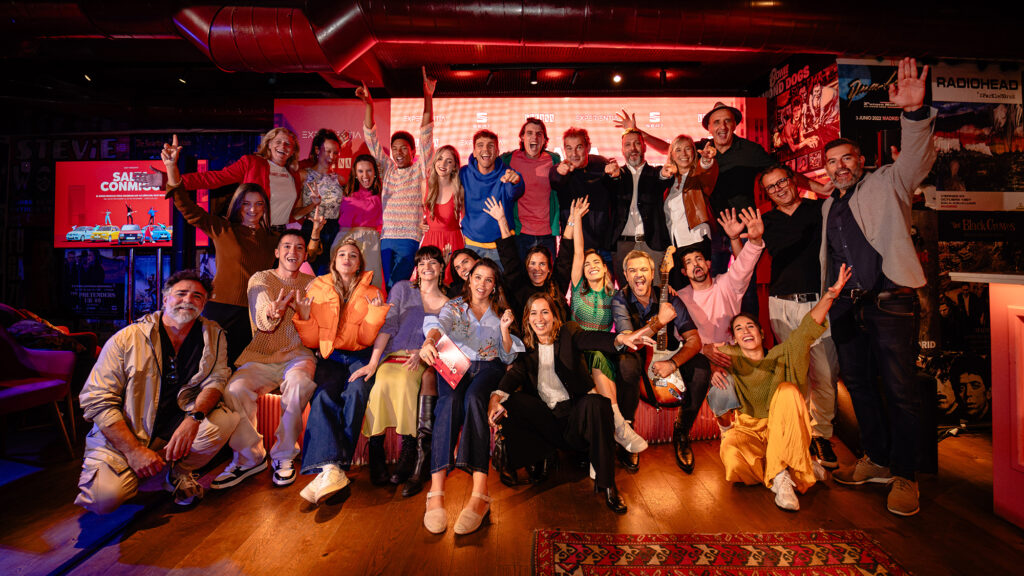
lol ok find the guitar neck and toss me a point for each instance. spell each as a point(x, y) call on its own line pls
point(663, 333)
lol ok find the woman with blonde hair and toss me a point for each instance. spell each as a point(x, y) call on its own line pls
point(274, 167)
point(686, 204)
point(339, 318)
point(444, 201)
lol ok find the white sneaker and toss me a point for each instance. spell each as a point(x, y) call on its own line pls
point(785, 497)
point(329, 482)
point(820, 473)
point(284, 472)
point(308, 493)
point(629, 439)
point(235, 473)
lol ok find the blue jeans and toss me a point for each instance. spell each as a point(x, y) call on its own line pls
point(397, 260)
point(878, 340)
point(465, 409)
point(491, 253)
point(335, 412)
point(526, 241)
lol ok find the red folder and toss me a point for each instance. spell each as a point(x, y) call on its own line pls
point(451, 364)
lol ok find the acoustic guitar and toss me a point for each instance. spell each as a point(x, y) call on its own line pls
point(657, 391)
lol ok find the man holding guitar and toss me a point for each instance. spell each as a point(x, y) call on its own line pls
point(635, 307)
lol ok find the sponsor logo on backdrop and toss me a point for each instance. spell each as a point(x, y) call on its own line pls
point(966, 83)
point(481, 117)
point(540, 116)
point(654, 117)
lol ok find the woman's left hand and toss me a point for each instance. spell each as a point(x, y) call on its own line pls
point(375, 301)
point(507, 318)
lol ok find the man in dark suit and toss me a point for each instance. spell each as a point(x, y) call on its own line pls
point(639, 222)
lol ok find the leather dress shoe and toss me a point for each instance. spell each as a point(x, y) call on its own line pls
point(629, 461)
point(684, 454)
point(614, 501)
point(509, 477)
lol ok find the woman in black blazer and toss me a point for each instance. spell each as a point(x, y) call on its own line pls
point(546, 398)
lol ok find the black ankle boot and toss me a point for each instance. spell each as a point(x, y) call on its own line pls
point(378, 461)
point(424, 437)
point(406, 460)
point(681, 442)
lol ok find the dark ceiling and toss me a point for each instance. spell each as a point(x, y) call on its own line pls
point(140, 64)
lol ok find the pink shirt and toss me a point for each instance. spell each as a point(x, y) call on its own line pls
point(535, 203)
point(712, 309)
point(360, 210)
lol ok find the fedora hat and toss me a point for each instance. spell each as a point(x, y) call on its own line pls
point(720, 106)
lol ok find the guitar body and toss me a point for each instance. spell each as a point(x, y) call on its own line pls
point(657, 391)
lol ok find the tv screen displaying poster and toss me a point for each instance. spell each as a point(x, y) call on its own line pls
point(101, 205)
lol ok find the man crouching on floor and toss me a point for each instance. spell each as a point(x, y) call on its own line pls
point(154, 397)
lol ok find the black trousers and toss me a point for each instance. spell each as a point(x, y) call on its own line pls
point(534, 432)
point(696, 374)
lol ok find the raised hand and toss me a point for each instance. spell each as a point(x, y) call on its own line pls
point(319, 220)
point(668, 171)
point(314, 192)
point(625, 120)
point(730, 224)
point(170, 153)
point(751, 218)
point(375, 301)
point(666, 313)
point(303, 306)
point(428, 84)
point(493, 208)
point(845, 273)
point(580, 207)
point(363, 93)
point(510, 177)
point(708, 153)
point(564, 167)
point(279, 305)
point(507, 318)
point(909, 89)
point(612, 168)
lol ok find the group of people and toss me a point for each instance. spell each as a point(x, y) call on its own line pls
point(419, 257)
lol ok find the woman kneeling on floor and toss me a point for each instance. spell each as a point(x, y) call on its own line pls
point(340, 318)
point(478, 324)
point(770, 438)
point(550, 398)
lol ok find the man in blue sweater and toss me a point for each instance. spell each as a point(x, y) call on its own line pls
point(487, 176)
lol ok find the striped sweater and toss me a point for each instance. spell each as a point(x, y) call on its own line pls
point(786, 362)
point(273, 341)
point(402, 188)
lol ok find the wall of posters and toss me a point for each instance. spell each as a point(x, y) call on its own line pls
point(865, 113)
point(94, 282)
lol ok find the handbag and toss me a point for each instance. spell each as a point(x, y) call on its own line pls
point(500, 459)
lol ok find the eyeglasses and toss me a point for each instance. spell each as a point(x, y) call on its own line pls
point(779, 184)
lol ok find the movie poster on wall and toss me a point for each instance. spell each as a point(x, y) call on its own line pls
point(865, 113)
point(95, 282)
point(803, 108)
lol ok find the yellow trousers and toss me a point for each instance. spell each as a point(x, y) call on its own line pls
point(755, 450)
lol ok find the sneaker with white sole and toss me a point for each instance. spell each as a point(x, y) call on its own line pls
point(629, 439)
point(821, 449)
point(327, 483)
point(785, 496)
point(820, 473)
point(862, 472)
point(184, 487)
point(284, 472)
point(235, 473)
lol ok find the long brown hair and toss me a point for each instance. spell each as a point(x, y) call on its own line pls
point(434, 183)
point(235, 206)
point(529, 336)
point(345, 290)
point(353, 182)
point(498, 301)
point(292, 163)
point(609, 285)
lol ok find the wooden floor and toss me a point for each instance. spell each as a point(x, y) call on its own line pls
point(257, 529)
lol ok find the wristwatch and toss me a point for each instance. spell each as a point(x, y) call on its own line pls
point(197, 416)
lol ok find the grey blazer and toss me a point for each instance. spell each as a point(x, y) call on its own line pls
point(882, 201)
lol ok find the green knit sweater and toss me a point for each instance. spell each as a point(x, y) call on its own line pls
point(787, 362)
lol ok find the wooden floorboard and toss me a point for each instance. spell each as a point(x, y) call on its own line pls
point(257, 529)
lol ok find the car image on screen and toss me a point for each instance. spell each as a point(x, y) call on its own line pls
point(130, 234)
point(79, 233)
point(157, 233)
point(104, 234)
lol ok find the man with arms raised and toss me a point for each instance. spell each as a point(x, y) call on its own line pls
point(581, 175)
point(487, 176)
point(154, 397)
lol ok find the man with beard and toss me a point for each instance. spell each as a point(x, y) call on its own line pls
point(634, 307)
point(536, 212)
point(580, 175)
point(154, 397)
point(640, 216)
point(866, 226)
point(274, 359)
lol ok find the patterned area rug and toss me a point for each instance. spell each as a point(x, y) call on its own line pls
point(844, 552)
